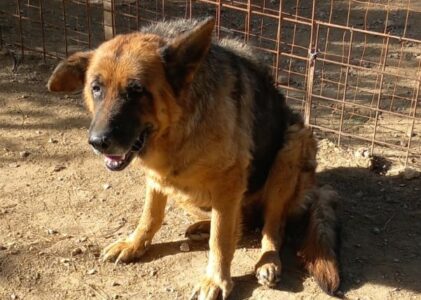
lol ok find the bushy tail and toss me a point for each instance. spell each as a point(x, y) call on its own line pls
point(321, 244)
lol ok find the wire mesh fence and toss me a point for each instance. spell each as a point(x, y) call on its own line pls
point(351, 66)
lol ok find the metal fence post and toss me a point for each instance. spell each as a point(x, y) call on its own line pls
point(109, 28)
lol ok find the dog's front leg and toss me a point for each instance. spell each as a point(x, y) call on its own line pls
point(224, 233)
point(137, 243)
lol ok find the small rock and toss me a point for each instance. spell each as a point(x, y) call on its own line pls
point(410, 133)
point(106, 186)
point(376, 230)
point(65, 260)
point(77, 251)
point(153, 273)
point(52, 141)
point(83, 239)
point(51, 231)
point(24, 96)
point(2, 247)
point(91, 272)
point(115, 283)
point(14, 165)
point(359, 194)
point(24, 154)
point(396, 260)
point(14, 297)
point(184, 247)
point(36, 276)
point(362, 153)
point(403, 143)
point(58, 168)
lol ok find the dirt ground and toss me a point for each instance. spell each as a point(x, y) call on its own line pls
point(59, 207)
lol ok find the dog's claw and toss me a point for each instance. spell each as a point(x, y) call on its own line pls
point(269, 274)
point(268, 269)
point(123, 251)
point(209, 290)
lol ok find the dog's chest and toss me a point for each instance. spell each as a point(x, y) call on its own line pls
point(190, 192)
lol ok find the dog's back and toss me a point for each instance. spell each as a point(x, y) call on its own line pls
point(233, 71)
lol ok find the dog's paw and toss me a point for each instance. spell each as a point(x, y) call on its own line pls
point(124, 251)
point(208, 289)
point(268, 270)
point(199, 231)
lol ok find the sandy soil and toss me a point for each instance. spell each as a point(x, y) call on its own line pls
point(59, 207)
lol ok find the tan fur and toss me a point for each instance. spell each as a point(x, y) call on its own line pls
point(184, 159)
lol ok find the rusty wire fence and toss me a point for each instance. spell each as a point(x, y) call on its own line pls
point(351, 66)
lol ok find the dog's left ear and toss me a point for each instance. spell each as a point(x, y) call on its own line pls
point(182, 56)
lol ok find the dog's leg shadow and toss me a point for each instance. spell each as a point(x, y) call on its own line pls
point(159, 250)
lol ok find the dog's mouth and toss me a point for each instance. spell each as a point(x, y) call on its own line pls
point(120, 162)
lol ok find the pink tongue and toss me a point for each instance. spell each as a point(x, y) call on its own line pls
point(114, 157)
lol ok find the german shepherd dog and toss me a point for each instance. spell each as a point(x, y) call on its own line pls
point(205, 121)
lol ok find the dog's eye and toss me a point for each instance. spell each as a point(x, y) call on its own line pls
point(135, 87)
point(96, 90)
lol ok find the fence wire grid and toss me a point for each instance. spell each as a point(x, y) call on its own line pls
point(352, 66)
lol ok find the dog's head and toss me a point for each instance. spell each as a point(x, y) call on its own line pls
point(134, 85)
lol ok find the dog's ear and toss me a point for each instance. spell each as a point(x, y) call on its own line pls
point(69, 75)
point(182, 55)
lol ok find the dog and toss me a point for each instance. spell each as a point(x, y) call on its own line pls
point(206, 122)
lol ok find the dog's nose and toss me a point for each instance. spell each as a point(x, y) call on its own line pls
point(100, 143)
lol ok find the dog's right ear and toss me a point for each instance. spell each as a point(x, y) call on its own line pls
point(69, 75)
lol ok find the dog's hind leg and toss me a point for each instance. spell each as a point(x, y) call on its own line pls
point(268, 267)
point(292, 173)
point(199, 231)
